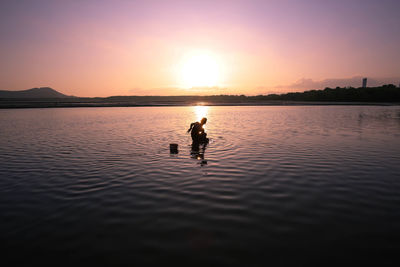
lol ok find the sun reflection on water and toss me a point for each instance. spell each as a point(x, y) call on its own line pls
point(201, 112)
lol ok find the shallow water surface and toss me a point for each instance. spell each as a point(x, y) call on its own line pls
point(275, 184)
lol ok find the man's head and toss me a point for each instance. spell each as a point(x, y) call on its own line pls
point(203, 121)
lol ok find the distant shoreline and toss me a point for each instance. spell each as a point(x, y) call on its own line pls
point(386, 95)
point(62, 104)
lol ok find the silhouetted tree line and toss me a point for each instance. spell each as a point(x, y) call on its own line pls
point(385, 93)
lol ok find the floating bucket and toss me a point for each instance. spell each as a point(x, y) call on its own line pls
point(173, 148)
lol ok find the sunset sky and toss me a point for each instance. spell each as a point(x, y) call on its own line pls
point(104, 48)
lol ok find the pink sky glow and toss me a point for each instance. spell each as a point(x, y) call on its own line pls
point(104, 48)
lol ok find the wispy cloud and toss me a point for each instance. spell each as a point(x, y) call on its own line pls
point(214, 90)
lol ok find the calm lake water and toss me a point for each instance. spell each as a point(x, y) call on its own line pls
point(276, 184)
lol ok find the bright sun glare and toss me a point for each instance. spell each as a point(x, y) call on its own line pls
point(200, 70)
point(200, 112)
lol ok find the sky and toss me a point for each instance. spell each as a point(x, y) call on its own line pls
point(170, 47)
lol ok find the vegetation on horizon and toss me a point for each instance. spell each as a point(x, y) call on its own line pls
point(384, 93)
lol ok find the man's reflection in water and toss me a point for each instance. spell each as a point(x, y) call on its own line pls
point(198, 151)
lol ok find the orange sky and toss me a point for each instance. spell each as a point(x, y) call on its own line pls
point(103, 48)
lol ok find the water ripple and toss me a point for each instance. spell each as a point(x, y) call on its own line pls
point(91, 182)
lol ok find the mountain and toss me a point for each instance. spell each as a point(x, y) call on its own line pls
point(42, 92)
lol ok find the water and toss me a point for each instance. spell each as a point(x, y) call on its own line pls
point(304, 184)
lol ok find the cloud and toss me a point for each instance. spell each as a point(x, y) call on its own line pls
point(170, 91)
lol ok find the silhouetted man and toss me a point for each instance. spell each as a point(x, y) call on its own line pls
point(198, 133)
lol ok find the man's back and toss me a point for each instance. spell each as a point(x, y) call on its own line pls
point(197, 129)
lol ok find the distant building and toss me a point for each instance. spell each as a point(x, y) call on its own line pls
point(364, 83)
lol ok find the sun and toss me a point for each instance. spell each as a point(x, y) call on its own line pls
point(200, 69)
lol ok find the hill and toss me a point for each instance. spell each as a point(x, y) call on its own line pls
point(42, 92)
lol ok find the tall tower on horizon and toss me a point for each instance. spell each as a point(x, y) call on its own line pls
point(364, 82)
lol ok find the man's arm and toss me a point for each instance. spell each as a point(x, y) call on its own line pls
point(191, 126)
